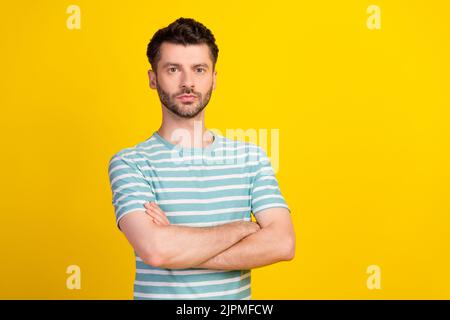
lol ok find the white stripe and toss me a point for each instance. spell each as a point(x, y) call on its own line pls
point(193, 295)
point(128, 203)
point(151, 146)
point(266, 168)
point(191, 168)
point(204, 158)
point(209, 189)
point(267, 178)
point(138, 151)
point(134, 160)
point(272, 205)
point(264, 188)
point(163, 145)
point(266, 197)
point(114, 159)
point(122, 166)
point(128, 185)
point(117, 157)
point(210, 223)
point(148, 194)
point(207, 212)
point(213, 200)
point(149, 154)
point(125, 175)
point(179, 272)
point(249, 146)
point(133, 152)
point(222, 140)
point(224, 176)
point(247, 298)
point(176, 151)
point(190, 284)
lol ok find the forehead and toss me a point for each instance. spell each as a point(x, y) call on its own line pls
point(190, 54)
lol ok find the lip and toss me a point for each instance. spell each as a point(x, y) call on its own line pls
point(187, 97)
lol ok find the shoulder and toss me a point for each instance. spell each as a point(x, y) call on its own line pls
point(135, 151)
point(132, 154)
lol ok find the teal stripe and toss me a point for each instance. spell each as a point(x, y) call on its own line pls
point(221, 217)
point(188, 278)
point(235, 296)
point(154, 154)
point(199, 184)
point(199, 173)
point(194, 289)
point(205, 206)
point(203, 195)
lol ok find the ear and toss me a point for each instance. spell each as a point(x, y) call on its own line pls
point(152, 79)
point(214, 79)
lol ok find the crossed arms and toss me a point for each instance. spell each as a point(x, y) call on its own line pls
point(239, 245)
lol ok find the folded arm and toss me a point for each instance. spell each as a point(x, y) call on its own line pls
point(178, 247)
point(274, 242)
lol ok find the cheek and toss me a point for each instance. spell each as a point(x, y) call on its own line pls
point(205, 84)
point(168, 84)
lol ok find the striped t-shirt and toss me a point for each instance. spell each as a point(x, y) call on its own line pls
point(195, 187)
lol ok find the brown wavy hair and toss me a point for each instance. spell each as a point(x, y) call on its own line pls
point(185, 31)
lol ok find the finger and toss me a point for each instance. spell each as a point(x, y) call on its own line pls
point(153, 205)
point(159, 210)
point(157, 215)
point(153, 219)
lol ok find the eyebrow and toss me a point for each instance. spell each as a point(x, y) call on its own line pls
point(179, 65)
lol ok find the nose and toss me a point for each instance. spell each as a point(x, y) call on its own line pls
point(187, 80)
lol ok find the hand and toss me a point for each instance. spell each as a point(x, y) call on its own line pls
point(250, 226)
point(155, 212)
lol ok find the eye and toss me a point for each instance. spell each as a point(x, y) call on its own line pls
point(172, 69)
point(201, 70)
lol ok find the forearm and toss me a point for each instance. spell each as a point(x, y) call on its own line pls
point(267, 246)
point(185, 247)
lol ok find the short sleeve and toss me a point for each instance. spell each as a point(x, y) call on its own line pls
point(130, 189)
point(265, 191)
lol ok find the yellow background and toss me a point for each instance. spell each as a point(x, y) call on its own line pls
point(364, 130)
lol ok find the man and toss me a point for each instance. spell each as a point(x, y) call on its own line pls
point(184, 197)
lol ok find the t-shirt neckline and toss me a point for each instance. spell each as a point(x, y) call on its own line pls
point(171, 145)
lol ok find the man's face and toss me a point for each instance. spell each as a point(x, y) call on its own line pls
point(184, 78)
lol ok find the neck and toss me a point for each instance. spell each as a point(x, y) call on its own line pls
point(187, 133)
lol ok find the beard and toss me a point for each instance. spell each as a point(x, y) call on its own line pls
point(184, 110)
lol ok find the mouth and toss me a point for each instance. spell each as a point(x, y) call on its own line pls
point(187, 98)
